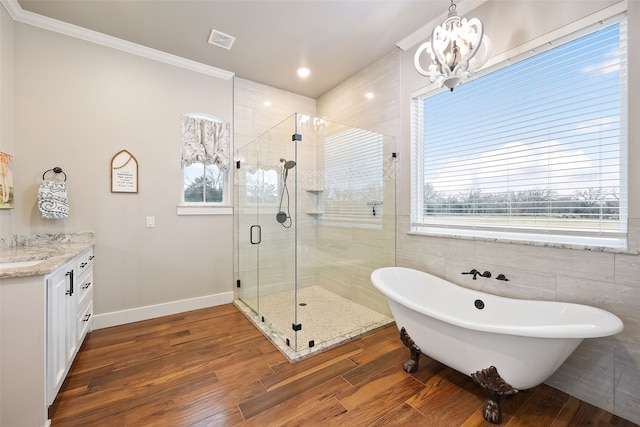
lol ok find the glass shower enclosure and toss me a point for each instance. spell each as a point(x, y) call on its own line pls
point(315, 215)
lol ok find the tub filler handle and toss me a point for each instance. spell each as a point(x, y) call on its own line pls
point(476, 273)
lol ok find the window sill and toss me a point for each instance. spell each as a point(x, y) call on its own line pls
point(488, 238)
point(204, 210)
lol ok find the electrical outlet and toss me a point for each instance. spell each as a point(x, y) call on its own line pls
point(151, 222)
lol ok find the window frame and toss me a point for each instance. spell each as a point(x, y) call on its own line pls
point(510, 233)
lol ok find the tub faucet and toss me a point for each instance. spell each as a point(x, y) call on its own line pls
point(476, 273)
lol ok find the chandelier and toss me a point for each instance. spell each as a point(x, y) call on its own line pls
point(457, 49)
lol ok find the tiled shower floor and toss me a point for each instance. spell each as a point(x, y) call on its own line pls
point(327, 319)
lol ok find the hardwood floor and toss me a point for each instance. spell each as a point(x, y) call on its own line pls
point(212, 367)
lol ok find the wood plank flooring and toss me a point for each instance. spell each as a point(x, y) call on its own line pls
point(212, 367)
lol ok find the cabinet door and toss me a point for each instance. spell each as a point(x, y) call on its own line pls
point(61, 328)
point(56, 340)
point(70, 327)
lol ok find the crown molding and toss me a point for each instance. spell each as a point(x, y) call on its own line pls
point(26, 17)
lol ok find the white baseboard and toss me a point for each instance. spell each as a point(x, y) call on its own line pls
point(137, 314)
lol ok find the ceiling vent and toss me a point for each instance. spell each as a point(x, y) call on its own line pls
point(220, 39)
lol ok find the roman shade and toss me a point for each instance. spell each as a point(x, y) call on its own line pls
point(205, 139)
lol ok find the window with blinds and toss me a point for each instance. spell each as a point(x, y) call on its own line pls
point(353, 175)
point(536, 149)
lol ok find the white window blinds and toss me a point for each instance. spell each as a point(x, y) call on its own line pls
point(353, 167)
point(535, 148)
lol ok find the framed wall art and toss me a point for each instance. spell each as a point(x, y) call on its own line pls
point(124, 173)
point(6, 181)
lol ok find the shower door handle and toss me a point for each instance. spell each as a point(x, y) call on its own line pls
point(255, 234)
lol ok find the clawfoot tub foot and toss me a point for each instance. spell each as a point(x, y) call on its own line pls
point(495, 386)
point(410, 365)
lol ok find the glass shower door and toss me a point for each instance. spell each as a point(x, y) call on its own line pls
point(248, 235)
point(266, 201)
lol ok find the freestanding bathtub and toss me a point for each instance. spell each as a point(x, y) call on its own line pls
point(504, 344)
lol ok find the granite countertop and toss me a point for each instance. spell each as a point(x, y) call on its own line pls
point(54, 253)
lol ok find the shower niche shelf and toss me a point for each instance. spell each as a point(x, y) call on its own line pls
point(316, 209)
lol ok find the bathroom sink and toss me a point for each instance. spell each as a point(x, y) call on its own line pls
point(19, 264)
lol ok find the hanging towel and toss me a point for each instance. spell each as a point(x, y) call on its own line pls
point(52, 199)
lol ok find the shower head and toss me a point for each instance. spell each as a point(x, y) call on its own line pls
point(288, 164)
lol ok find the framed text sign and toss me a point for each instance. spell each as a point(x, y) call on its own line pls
point(124, 173)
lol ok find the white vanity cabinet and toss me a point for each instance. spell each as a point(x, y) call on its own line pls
point(69, 312)
point(46, 310)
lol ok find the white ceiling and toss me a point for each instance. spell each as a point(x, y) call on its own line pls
point(334, 38)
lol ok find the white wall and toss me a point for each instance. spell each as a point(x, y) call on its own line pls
point(604, 372)
point(6, 102)
point(76, 105)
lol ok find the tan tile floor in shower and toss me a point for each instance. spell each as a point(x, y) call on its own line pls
point(327, 319)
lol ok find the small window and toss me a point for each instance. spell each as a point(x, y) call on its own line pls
point(205, 160)
point(535, 150)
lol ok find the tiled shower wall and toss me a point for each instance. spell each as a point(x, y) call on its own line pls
point(604, 372)
point(348, 105)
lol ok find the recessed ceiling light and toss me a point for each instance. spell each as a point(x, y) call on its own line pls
point(267, 103)
point(303, 72)
point(220, 39)
point(369, 95)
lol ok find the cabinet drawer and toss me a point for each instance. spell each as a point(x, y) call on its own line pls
point(85, 262)
point(84, 288)
point(85, 320)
